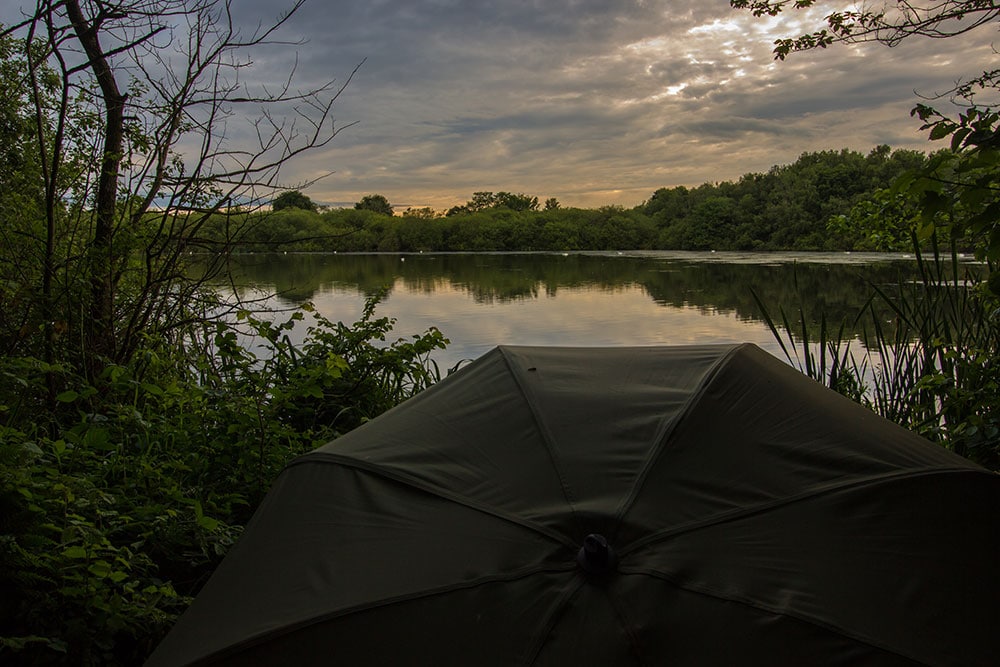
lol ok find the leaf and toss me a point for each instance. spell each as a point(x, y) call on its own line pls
point(68, 396)
point(33, 448)
point(100, 568)
point(76, 552)
point(941, 130)
point(98, 438)
point(208, 523)
point(959, 137)
point(153, 389)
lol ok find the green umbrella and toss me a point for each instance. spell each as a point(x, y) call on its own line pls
point(613, 506)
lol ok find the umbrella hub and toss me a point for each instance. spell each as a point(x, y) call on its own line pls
point(596, 556)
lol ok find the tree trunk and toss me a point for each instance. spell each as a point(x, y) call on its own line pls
point(100, 332)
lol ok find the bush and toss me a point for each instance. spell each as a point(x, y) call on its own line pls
point(932, 368)
point(115, 512)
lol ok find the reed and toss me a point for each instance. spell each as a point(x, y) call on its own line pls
point(931, 366)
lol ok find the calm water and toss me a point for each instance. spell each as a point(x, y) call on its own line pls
point(650, 298)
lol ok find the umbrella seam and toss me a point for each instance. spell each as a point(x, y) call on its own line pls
point(248, 643)
point(547, 438)
point(626, 624)
point(550, 622)
point(330, 458)
point(753, 604)
point(743, 512)
point(663, 434)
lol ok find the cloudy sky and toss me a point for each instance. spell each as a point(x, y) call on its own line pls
point(593, 102)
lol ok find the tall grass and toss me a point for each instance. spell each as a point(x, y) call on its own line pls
point(931, 366)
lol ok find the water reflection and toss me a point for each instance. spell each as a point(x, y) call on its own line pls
point(480, 300)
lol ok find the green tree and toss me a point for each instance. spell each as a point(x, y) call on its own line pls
point(425, 213)
point(375, 203)
point(943, 377)
point(22, 205)
point(516, 202)
point(484, 200)
point(293, 199)
point(115, 92)
point(956, 191)
point(481, 201)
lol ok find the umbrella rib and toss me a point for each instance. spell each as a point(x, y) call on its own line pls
point(547, 438)
point(758, 606)
point(419, 484)
point(250, 642)
point(557, 610)
point(535, 648)
point(760, 508)
point(667, 427)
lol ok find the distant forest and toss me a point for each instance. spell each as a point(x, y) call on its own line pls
point(801, 206)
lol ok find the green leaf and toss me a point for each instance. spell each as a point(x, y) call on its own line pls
point(153, 389)
point(941, 130)
point(33, 448)
point(959, 137)
point(98, 438)
point(208, 523)
point(76, 552)
point(67, 396)
point(100, 568)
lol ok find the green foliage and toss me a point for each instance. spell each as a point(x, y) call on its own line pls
point(883, 223)
point(482, 201)
point(425, 213)
point(888, 26)
point(293, 199)
point(931, 367)
point(115, 510)
point(787, 208)
point(375, 203)
point(957, 191)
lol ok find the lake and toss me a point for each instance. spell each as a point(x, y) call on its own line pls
point(479, 300)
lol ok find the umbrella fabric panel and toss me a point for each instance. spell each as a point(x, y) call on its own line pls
point(589, 629)
point(493, 623)
point(674, 626)
point(473, 435)
point(757, 518)
point(543, 433)
point(760, 431)
point(857, 560)
point(599, 411)
point(330, 540)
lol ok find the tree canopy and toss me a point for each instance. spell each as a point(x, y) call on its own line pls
point(293, 199)
point(375, 203)
point(789, 207)
point(120, 147)
point(955, 193)
point(111, 98)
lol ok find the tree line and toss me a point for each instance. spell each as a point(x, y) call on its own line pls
point(800, 206)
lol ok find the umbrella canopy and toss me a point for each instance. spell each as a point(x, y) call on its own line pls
point(613, 506)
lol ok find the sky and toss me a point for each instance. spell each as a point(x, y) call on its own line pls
point(593, 102)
